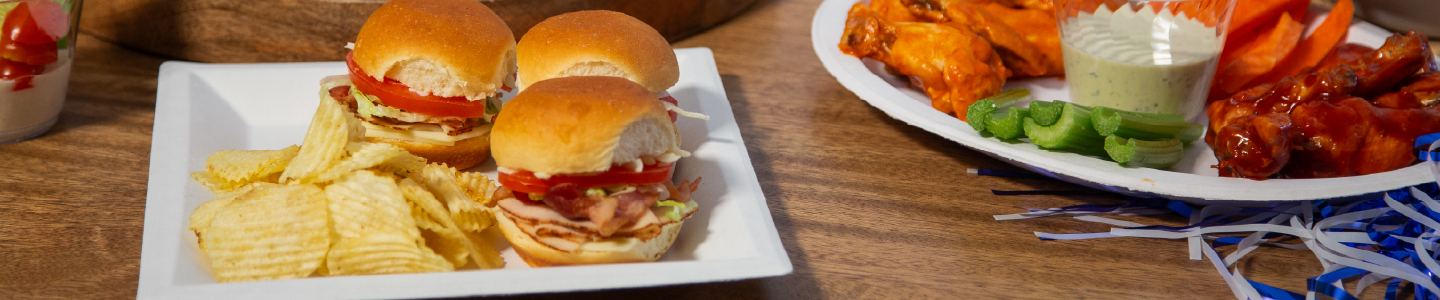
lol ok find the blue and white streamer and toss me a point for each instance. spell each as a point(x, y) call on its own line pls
point(1386, 238)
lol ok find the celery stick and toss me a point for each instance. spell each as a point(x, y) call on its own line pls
point(1046, 113)
point(1009, 96)
point(1161, 154)
point(1071, 132)
point(1007, 124)
point(1145, 126)
point(978, 114)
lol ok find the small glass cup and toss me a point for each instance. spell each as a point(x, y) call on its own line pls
point(37, 45)
point(1145, 56)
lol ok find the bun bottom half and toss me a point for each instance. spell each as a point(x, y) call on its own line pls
point(611, 250)
point(463, 155)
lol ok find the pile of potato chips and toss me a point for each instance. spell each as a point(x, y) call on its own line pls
point(337, 205)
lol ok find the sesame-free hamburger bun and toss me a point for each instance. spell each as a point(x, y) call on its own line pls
point(597, 43)
point(448, 48)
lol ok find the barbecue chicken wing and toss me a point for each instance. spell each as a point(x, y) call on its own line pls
point(954, 67)
point(1319, 124)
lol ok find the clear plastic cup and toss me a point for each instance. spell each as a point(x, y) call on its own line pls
point(1146, 56)
point(37, 45)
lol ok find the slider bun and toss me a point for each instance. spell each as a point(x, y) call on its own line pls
point(597, 43)
point(447, 48)
point(581, 125)
point(464, 154)
point(609, 250)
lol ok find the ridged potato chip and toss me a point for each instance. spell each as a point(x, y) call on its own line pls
point(213, 182)
point(448, 240)
point(484, 246)
point(270, 232)
point(479, 187)
point(200, 219)
point(468, 213)
point(249, 165)
point(365, 156)
point(218, 185)
point(429, 212)
point(406, 166)
point(383, 253)
point(462, 248)
point(450, 245)
point(366, 203)
point(331, 130)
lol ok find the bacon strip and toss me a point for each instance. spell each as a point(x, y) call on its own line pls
point(610, 212)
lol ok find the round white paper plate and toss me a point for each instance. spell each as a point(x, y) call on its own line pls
point(1193, 179)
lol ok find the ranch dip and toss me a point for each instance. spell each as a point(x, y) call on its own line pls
point(30, 111)
point(1140, 60)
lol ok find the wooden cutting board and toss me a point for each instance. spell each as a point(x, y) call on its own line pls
point(310, 30)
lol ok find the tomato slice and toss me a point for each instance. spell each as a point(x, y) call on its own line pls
point(22, 40)
point(20, 26)
point(21, 73)
point(526, 182)
point(395, 94)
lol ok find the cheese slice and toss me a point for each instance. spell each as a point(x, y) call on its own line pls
point(423, 132)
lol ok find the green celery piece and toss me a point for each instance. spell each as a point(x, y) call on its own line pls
point(978, 114)
point(1046, 113)
point(1072, 132)
point(1161, 154)
point(1145, 126)
point(1008, 124)
point(1009, 96)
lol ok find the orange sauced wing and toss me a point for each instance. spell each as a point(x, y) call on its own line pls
point(954, 67)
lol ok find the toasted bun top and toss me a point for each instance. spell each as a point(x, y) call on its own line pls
point(581, 125)
point(597, 43)
point(447, 48)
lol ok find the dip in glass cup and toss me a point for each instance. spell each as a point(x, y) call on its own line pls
point(1144, 56)
point(37, 45)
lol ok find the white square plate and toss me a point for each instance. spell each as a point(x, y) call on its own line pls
point(202, 108)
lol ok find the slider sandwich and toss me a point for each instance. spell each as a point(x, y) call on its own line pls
point(427, 75)
point(586, 163)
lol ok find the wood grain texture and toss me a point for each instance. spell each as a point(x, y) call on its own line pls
point(308, 30)
point(866, 206)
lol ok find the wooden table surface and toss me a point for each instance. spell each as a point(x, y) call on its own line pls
point(866, 206)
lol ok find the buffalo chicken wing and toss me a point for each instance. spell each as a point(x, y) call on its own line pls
point(954, 67)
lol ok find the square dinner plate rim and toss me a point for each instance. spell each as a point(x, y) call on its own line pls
point(170, 139)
